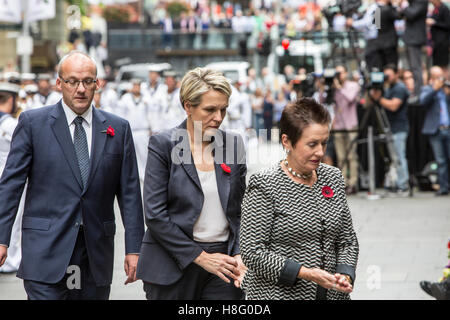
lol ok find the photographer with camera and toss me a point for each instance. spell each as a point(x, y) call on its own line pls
point(435, 97)
point(346, 94)
point(394, 102)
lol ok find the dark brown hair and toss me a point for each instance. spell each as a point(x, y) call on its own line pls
point(300, 114)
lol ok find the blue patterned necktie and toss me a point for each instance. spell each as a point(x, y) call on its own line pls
point(81, 149)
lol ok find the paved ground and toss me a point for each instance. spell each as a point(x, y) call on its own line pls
point(402, 241)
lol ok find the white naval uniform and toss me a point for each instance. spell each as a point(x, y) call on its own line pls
point(109, 99)
point(169, 112)
point(136, 111)
point(239, 114)
point(7, 126)
point(39, 101)
point(53, 98)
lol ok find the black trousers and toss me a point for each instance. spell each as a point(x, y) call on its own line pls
point(197, 283)
point(381, 57)
point(414, 54)
point(66, 289)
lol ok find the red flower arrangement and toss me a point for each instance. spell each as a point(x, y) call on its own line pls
point(327, 192)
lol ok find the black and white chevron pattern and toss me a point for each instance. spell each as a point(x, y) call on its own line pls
point(282, 219)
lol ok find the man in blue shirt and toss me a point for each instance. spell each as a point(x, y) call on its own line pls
point(394, 102)
point(436, 98)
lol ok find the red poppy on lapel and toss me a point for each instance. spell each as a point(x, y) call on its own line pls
point(225, 168)
point(109, 131)
point(327, 192)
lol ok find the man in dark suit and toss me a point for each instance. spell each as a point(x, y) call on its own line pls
point(415, 37)
point(439, 24)
point(77, 159)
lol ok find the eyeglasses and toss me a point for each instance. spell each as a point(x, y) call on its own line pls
point(74, 83)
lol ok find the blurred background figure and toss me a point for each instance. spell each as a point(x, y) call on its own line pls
point(8, 122)
point(136, 111)
point(435, 97)
point(44, 90)
point(439, 24)
point(346, 96)
point(415, 37)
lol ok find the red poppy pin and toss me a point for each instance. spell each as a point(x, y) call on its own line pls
point(225, 168)
point(109, 131)
point(327, 192)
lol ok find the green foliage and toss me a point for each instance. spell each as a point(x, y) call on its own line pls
point(116, 14)
point(82, 4)
point(176, 8)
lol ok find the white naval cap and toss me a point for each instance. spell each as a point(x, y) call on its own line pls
point(9, 87)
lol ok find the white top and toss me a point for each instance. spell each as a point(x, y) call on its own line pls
point(87, 123)
point(212, 224)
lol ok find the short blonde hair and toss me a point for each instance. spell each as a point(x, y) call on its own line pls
point(199, 81)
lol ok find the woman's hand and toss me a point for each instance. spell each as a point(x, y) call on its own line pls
point(242, 271)
point(326, 280)
point(343, 284)
point(219, 264)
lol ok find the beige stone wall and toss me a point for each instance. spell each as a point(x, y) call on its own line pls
point(7, 48)
point(53, 31)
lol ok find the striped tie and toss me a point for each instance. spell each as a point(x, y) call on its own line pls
point(81, 149)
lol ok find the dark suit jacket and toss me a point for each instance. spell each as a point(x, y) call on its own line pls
point(440, 31)
point(173, 200)
point(429, 99)
point(42, 150)
point(387, 36)
point(415, 15)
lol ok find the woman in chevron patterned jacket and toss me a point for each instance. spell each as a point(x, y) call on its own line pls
point(297, 237)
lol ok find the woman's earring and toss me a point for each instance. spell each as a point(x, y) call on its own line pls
point(287, 151)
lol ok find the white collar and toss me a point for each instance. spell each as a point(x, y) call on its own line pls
point(70, 115)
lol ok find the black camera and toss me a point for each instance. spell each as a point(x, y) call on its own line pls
point(304, 84)
point(376, 80)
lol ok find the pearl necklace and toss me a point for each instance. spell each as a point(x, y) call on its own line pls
point(296, 174)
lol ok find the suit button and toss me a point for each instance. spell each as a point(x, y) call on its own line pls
point(77, 224)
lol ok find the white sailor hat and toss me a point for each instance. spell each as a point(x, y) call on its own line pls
point(44, 76)
point(9, 87)
point(31, 88)
point(28, 76)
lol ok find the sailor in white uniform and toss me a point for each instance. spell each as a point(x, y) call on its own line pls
point(55, 95)
point(136, 111)
point(239, 112)
point(44, 90)
point(170, 112)
point(8, 97)
point(109, 97)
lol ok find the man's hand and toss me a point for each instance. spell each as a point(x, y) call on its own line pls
point(3, 254)
point(375, 94)
point(349, 22)
point(131, 261)
point(337, 84)
point(430, 22)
